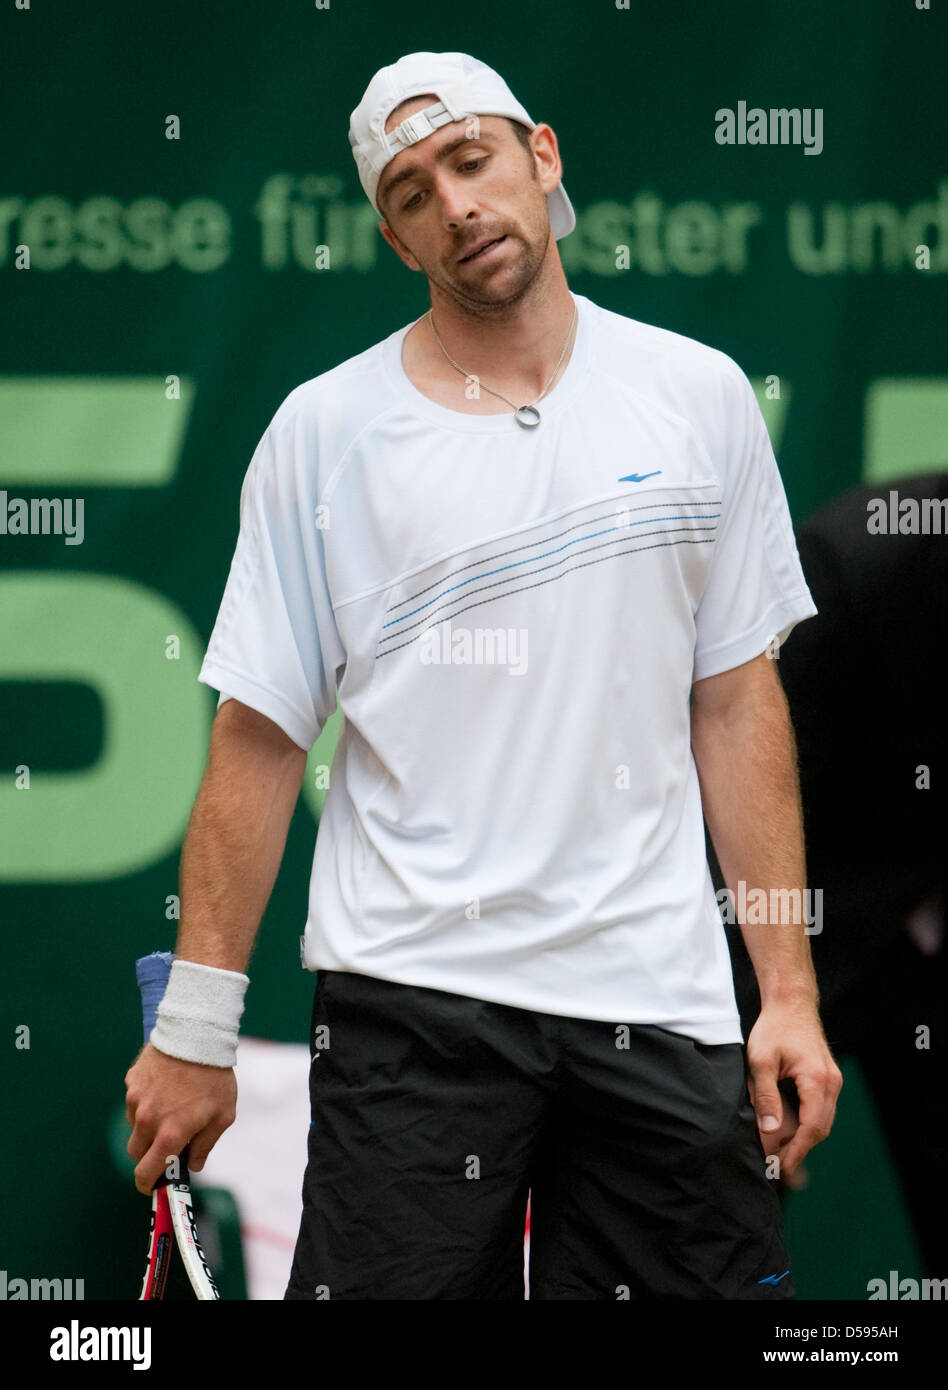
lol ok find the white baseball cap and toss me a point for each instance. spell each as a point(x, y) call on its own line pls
point(465, 87)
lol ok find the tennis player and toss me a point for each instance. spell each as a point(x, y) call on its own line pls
point(540, 554)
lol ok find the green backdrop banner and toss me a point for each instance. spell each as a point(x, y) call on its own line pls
point(183, 240)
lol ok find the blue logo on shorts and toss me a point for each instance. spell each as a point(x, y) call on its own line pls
point(774, 1278)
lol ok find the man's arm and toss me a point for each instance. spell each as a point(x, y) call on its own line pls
point(229, 862)
point(745, 754)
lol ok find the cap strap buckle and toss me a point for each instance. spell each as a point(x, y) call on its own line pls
point(422, 123)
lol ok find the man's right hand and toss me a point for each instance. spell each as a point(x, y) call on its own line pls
point(170, 1103)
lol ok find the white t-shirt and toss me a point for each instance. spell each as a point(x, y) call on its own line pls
point(511, 620)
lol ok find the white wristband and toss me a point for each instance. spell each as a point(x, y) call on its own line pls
point(199, 1016)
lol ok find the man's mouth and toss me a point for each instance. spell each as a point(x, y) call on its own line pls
point(473, 256)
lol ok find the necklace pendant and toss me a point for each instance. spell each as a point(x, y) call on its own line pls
point(523, 414)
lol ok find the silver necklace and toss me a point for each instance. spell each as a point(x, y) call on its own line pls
point(522, 413)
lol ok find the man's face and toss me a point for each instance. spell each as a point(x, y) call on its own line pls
point(469, 183)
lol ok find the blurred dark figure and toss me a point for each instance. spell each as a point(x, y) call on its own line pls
point(866, 684)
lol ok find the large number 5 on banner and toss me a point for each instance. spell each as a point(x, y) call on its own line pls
point(130, 807)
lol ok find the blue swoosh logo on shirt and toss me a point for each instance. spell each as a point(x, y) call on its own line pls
point(639, 477)
point(774, 1278)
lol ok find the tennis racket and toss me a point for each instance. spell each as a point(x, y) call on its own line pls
point(172, 1215)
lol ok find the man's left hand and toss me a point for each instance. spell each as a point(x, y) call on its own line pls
point(788, 1041)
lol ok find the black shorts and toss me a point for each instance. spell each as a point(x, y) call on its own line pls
point(435, 1115)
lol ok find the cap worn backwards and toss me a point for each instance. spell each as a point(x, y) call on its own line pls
point(464, 87)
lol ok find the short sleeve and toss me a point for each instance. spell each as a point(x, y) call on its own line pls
point(275, 645)
point(756, 591)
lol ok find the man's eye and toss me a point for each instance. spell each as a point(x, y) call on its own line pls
point(468, 164)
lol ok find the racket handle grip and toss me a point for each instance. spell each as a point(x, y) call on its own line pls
point(152, 973)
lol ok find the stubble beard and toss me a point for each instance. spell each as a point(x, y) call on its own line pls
point(480, 300)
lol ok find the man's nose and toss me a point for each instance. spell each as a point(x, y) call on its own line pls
point(456, 202)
